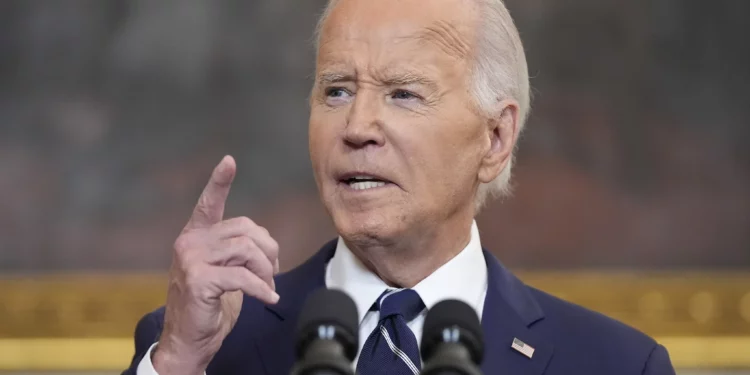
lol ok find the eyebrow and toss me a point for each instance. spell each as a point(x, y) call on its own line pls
point(399, 78)
point(406, 78)
point(327, 78)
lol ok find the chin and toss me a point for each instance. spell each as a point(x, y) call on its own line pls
point(378, 227)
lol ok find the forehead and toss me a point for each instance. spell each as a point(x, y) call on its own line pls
point(391, 29)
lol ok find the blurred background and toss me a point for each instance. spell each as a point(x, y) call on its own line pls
point(632, 188)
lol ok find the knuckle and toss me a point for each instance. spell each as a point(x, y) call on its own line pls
point(266, 268)
point(182, 242)
point(252, 259)
point(204, 201)
point(260, 266)
point(183, 246)
point(245, 242)
point(274, 249)
point(188, 244)
point(245, 222)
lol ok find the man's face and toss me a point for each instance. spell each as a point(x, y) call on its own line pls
point(395, 140)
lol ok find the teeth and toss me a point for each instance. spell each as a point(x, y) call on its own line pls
point(363, 185)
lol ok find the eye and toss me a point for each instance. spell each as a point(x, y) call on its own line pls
point(336, 92)
point(337, 96)
point(403, 95)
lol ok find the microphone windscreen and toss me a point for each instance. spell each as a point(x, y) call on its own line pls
point(330, 308)
point(452, 321)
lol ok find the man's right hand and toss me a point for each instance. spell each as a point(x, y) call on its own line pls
point(215, 261)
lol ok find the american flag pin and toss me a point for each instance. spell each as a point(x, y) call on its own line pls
point(522, 347)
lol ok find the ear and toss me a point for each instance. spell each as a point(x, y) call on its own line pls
point(502, 134)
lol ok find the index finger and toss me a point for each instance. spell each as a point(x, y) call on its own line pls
point(210, 207)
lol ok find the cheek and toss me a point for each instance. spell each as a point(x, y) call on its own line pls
point(319, 149)
point(321, 133)
point(432, 166)
point(452, 159)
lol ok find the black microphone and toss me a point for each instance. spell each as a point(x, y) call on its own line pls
point(327, 334)
point(452, 341)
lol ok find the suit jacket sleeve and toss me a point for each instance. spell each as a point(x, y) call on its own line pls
point(147, 332)
point(658, 362)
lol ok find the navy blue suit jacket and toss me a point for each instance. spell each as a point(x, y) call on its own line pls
point(569, 340)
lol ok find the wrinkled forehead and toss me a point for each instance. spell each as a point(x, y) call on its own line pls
point(397, 26)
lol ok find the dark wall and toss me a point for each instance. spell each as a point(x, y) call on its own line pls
point(113, 113)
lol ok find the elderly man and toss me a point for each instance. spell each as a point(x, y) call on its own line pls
point(415, 112)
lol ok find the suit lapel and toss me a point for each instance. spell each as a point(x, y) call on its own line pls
point(276, 346)
point(509, 312)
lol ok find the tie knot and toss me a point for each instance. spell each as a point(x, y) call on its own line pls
point(404, 302)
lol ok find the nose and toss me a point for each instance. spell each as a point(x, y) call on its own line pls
point(364, 127)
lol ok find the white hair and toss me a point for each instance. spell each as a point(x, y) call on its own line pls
point(499, 72)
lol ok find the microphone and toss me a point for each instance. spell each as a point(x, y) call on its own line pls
point(452, 341)
point(327, 334)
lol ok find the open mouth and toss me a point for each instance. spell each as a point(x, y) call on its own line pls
point(364, 182)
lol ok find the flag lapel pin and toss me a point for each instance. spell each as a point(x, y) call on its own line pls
point(522, 347)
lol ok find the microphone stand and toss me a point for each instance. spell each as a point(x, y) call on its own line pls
point(451, 359)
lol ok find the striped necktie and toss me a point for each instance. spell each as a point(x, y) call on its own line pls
point(392, 347)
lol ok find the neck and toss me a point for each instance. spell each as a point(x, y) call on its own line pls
point(405, 261)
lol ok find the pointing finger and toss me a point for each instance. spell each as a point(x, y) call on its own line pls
point(210, 207)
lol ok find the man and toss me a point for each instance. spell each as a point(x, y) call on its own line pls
point(415, 113)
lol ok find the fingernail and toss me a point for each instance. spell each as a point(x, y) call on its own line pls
point(273, 284)
point(275, 297)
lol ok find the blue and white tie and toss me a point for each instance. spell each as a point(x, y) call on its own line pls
point(392, 347)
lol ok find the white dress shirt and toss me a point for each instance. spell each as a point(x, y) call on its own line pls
point(463, 278)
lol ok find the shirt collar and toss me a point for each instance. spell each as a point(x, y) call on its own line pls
point(463, 278)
